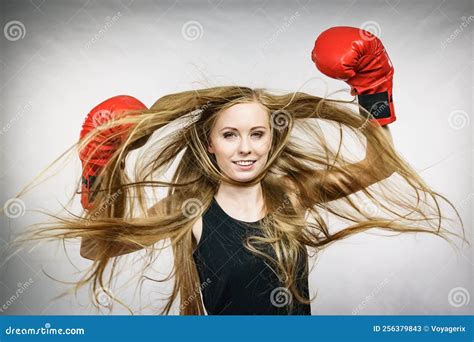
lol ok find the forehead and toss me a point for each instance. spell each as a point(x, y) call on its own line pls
point(243, 115)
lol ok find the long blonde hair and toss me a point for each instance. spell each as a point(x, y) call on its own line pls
point(404, 202)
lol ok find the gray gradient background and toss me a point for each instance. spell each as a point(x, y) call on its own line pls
point(74, 55)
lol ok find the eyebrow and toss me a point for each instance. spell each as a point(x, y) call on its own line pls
point(235, 129)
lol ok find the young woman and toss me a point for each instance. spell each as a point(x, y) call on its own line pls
point(253, 179)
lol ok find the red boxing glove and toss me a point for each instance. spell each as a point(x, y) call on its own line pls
point(99, 150)
point(359, 58)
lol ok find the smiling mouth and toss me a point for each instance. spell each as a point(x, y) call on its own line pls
point(246, 163)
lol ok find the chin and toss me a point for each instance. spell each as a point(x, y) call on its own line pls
point(243, 179)
point(245, 176)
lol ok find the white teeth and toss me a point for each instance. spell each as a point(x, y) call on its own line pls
point(245, 163)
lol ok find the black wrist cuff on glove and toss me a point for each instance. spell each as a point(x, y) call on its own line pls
point(377, 104)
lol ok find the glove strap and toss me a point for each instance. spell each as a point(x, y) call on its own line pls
point(377, 104)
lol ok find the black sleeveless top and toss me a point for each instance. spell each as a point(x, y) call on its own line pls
point(236, 282)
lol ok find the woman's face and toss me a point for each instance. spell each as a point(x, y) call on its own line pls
point(241, 140)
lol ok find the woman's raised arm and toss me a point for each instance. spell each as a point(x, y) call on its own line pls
point(357, 176)
point(91, 248)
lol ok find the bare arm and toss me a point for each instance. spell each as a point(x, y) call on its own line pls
point(90, 248)
point(336, 184)
point(355, 177)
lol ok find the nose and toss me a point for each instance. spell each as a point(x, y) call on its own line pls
point(244, 147)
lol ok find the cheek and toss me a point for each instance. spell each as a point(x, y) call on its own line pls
point(264, 147)
point(223, 149)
